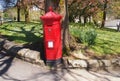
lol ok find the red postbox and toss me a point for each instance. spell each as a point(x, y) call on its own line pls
point(52, 36)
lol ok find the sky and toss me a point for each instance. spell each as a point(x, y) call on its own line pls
point(4, 5)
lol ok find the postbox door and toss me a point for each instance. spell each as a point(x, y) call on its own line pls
point(53, 43)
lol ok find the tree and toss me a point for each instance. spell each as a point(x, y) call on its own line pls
point(53, 3)
point(105, 3)
point(27, 4)
point(18, 10)
point(24, 5)
point(8, 3)
point(39, 4)
point(114, 9)
point(82, 8)
point(65, 25)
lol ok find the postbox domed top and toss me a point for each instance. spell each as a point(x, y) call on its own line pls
point(51, 17)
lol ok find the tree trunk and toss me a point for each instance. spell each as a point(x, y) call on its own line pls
point(80, 19)
point(18, 13)
point(85, 19)
point(48, 3)
point(65, 25)
point(53, 3)
point(27, 14)
point(104, 14)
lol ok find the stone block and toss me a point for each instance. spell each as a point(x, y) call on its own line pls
point(93, 65)
point(79, 55)
point(78, 63)
point(116, 62)
point(29, 54)
point(32, 55)
point(22, 52)
point(106, 63)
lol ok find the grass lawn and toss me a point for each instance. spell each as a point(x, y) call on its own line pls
point(20, 32)
point(107, 41)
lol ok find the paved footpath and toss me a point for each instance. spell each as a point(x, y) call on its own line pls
point(13, 69)
point(112, 24)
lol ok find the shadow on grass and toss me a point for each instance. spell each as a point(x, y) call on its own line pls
point(34, 42)
point(29, 35)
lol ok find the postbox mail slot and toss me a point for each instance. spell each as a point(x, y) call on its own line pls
point(49, 25)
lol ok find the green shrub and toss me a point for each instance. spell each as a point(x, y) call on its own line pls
point(75, 32)
point(88, 36)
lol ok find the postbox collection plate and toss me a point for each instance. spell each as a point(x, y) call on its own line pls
point(50, 44)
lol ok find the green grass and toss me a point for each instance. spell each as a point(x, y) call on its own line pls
point(107, 41)
point(20, 32)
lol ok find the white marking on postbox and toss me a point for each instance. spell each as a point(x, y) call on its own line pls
point(50, 44)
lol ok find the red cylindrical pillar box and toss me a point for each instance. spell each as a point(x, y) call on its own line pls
point(52, 36)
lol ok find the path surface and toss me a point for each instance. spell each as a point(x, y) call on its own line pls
point(112, 24)
point(13, 69)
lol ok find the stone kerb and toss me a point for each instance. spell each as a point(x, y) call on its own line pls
point(93, 64)
point(21, 52)
point(81, 61)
